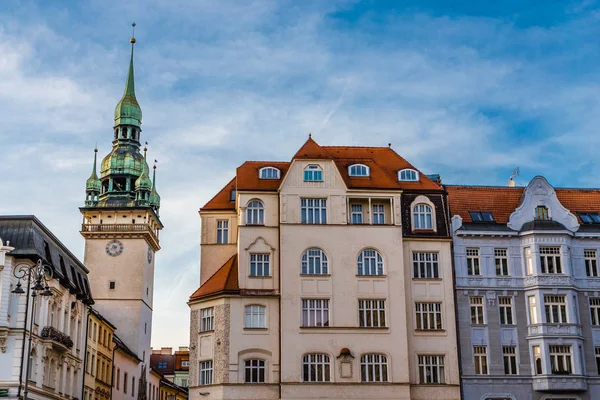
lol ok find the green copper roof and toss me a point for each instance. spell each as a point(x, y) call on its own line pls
point(128, 111)
point(123, 159)
point(93, 183)
point(143, 182)
point(154, 197)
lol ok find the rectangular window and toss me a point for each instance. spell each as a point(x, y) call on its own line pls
point(537, 359)
point(556, 309)
point(125, 382)
point(111, 284)
point(477, 311)
point(429, 316)
point(313, 173)
point(560, 360)
point(505, 307)
point(378, 214)
point(501, 258)
point(207, 319)
point(313, 211)
point(357, 213)
point(371, 313)
point(473, 262)
point(315, 312)
point(480, 358)
point(254, 371)
point(595, 310)
point(597, 350)
point(550, 260)
point(118, 378)
point(533, 317)
point(431, 370)
point(133, 386)
point(222, 232)
point(425, 265)
point(259, 264)
point(528, 261)
point(541, 212)
point(591, 262)
point(255, 317)
point(510, 360)
point(206, 372)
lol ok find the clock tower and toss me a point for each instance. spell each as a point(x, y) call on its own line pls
point(121, 227)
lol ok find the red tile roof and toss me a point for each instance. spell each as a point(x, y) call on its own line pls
point(312, 151)
point(222, 200)
point(247, 175)
point(224, 280)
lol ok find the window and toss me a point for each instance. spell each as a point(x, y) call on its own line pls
point(429, 316)
point(481, 216)
point(223, 232)
point(313, 173)
point(550, 260)
point(269, 173)
point(477, 310)
point(232, 195)
point(591, 262)
point(541, 213)
point(254, 371)
point(111, 284)
point(206, 372)
point(408, 175)
point(357, 213)
point(510, 360)
point(533, 317)
point(358, 170)
point(185, 363)
point(314, 262)
point(315, 312)
point(207, 319)
point(537, 359)
point(422, 217)
point(378, 214)
point(431, 370)
point(556, 309)
point(480, 357)
point(501, 258)
point(316, 368)
point(370, 262)
point(118, 377)
point(597, 350)
point(560, 360)
point(259, 264)
point(255, 213)
point(371, 313)
point(133, 386)
point(313, 211)
point(595, 310)
point(162, 365)
point(254, 317)
point(125, 382)
point(505, 307)
point(373, 368)
point(589, 217)
point(528, 261)
point(473, 262)
point(425, 265)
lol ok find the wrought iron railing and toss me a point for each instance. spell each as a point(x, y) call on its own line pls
point(50, 332)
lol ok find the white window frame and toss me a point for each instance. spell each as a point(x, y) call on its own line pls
point(359, 170)
point(320, 363)
point(315, 313)
point(255, 212)
point(477, 304)
point(408, 175)
point(528, 261)
point(373, 368)
point(205, 375)
point(369, 263)
point(505, 307)
point(532, 306)
point(473, 261)
point(536, 355)
point(480, 360)
point(258, 366)
point(269, 173)
point(260, 265)
point(207, 319)
point(595, 310)
point(378, 214)
point(561, 356)
point(548, 253)
point(558, 303)
point(509, 358)
point(422, 216)
point(425, 265)
point(313, 211)
point(313, 173)
point(356, 213)
point(314, 262)
point(501, 262)
point(255, 316)
point(428, 316)
point(371, 313)
point(222, 231)
point(591, 263)
point(432, 369)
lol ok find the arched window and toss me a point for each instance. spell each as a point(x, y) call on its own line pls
point(254, 371)
point(370, 262)
point(373, 368)
point(422, 217)
point(313, 173)
point(409, 175)
point(255, 213)
point(316, 368)
point(254, 316)
point(269, 173)
point(314, 262)
point(358, 170)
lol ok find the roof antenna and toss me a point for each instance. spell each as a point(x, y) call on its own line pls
point(511, 180)
point(390, 145)
point(310, 135)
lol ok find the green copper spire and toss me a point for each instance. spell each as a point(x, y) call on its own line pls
point(128, 111)
point(154, 197)
point(93, 183)
point(143, 182)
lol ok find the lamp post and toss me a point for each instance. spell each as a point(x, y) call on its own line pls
point(39, 274)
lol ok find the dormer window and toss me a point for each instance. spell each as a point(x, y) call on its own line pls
point(358, 170)
point(408, 175)
point(481, 216)
point(313, 173)
point(589, 217)
point(541, 213)
point(269, 173)
point(232, 195)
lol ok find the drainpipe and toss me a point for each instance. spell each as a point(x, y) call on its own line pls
point(280, 288)
point(87, 321)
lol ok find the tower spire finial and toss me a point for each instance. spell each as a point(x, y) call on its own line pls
point(132, 40)
point(128, 111)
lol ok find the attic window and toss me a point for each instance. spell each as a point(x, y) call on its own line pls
point(408, 175)
point(313, 173)
point(541, 213)
point(232, 195)
point(590, 217)
point(358, 170)
point(269, 173)
point(481, 216)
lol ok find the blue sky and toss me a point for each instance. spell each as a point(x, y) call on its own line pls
point(465, 89)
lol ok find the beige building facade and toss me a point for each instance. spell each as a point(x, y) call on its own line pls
point(326, 277)
point(98, 357)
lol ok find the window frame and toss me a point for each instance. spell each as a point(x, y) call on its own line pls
point(481, 216)
point(261, 366)
point(429, 316)
point(207, 319)
point(422, 217)
point(477, 304)
point(501, 261)
point(205, 372)
point(378, 213)
point(473, 257)
point(313, 173)
point(561, 358)
point(506, 310)
point(315, 208)
point(318, 361)
point(510, 360)
point(356, 210)
point(222, 231)
point(552, 305)
point(315, 313)
point(594, 310)
point(373, 366)
point(480, 360)
point(591, 263)
point(262, 260)
point(542, 213)
point(435, 365)
point(255, 212)
point(258, 313)
point(551, 253)
point(375, 264)
point(426, 263)
point(372, 313)
point(413, 175)
point(356, 167)
point(267, 170)
point(320, 262)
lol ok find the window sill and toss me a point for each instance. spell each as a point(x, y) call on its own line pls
point(259, 277)
point(371, 276)
point(315, 275)
point(256, 329)
point(345, 327)
point(479, 325)
point(427, 279)
point(430, 330)
point(419, 230)
point(203, 332)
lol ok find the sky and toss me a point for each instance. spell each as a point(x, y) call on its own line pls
point(465, 89)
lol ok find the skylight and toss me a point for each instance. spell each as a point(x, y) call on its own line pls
point(481, 216)
point(589, 217)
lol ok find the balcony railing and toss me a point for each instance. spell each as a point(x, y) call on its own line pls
point(53, 334)
point(124, 228)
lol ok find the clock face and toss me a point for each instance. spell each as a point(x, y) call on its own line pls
point(150, 254)
point(114, 248)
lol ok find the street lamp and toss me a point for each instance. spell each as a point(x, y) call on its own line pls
point(40, 274)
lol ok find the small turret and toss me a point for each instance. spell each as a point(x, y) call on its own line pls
point(143, 185)
point(154, 196)
point(93, 186)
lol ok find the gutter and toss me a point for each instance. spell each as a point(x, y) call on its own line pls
point(87, 321)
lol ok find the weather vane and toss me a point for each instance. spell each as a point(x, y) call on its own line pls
point(132, 40)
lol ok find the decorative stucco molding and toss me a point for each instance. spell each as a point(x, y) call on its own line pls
point(256, 241)
point(3, 339)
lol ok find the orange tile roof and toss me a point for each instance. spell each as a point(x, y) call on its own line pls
point(224, 280)
point(247, 175)
point(222, 200)
point(311, 150)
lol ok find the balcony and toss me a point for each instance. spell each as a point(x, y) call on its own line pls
point(370, 210)
point(546, 383)
point(561, 330)
point(60, 341)
point(143, 229)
